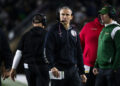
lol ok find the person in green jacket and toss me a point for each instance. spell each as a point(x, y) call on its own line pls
point(107, 65)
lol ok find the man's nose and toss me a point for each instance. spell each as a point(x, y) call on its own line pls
point(64, 16)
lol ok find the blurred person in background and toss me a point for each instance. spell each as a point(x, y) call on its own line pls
point(31, 49)
point(89, 42)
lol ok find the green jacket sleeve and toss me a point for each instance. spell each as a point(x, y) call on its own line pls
point(116, 62)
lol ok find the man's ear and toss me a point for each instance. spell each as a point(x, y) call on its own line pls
point(71, 17)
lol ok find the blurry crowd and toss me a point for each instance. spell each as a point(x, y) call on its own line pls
point(13, 12)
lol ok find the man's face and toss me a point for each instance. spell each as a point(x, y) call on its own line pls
point(65, 16)
point(105, 18)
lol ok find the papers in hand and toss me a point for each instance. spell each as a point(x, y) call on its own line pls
point(59, 78)
point(87, 68)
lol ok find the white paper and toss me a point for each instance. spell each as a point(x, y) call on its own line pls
point(59, 78)
point(87, 68)
point(26, 66)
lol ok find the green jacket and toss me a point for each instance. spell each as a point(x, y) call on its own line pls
point(108, 54)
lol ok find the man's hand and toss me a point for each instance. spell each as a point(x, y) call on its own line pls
point(5, 74)
point(95, 71)
point(13, 74)
point(83, 78)
point(55, 72)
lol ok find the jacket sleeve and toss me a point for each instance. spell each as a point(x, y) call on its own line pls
point(6, 53)
point(50, 48)
point(117, 53)
point(80, 57)
point(21, 43)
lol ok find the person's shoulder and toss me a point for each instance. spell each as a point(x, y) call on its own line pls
point(89, 23)
point(74, 29)
point(93, 22)
point(53, 27)
point(27, 33)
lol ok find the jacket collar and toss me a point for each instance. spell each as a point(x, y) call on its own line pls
point(113, 22)
point(61, 25)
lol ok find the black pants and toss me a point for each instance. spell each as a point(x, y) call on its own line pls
point(105, 77)
point(37, 76)
point(117, 77)
point(71, 75)
point(0, 80)
point(90, 78)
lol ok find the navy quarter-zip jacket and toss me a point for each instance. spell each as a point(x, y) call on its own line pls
point(63, 47)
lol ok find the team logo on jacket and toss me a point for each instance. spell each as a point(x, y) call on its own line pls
point(73, 32)
point(94, 28)
point(106, 33)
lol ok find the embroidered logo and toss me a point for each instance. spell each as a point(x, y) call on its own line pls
point(60, 33)
point(106, 33)
point(93, 28)
point(73, 32)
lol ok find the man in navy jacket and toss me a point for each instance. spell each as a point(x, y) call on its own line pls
point(63, 51)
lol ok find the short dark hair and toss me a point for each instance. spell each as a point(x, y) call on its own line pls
point(39, 18)
point(64, 7)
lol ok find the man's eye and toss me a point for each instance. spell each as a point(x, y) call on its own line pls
point(63, 14)
point(67, 14)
